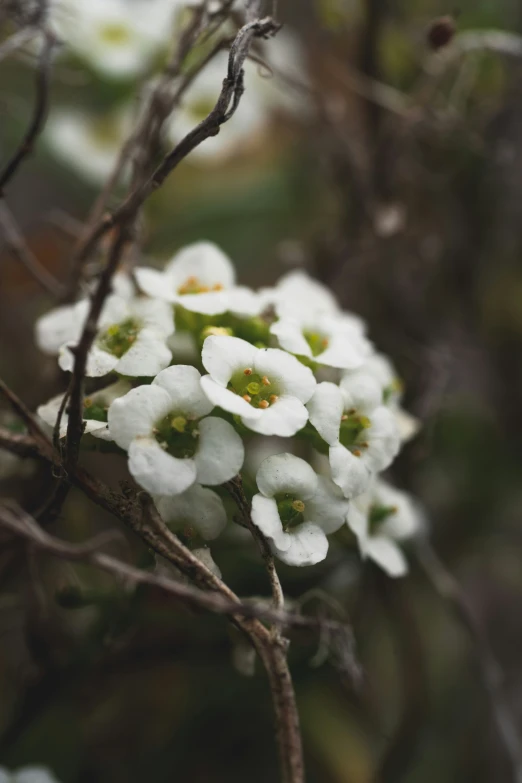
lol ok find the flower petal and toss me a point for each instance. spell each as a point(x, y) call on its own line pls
point(290, 336)
point(199, 507)
point(326, 408)
point(55, 328)
point(183, 383)
point(99, 362)
point(222, 356)
point(158, 472)
point(220, 452)
point(209, 303)
point(286, 473)
point(156, 284)
point(349, 472)
point(265, 516)
point(387, 555)
point(308, 546)
point(204, 261)
point(135, 414)
point(226, 399)
point(147, 356)
point(293, 377)
point(284, 418)
point(328, 507)
point(154, 314)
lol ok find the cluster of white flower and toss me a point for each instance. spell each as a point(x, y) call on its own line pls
point(123, 39)
point(283, 362)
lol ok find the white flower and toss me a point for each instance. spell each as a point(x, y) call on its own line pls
point(381, 518)
point(335, 341)
point(131, 339)
point(362, 434)
point(384, 373)
point(295, 509)
point(201, 278)
point(171, 440)
point(95, 408)
point(248, 121)
point(116, 37)
point(27, 775)
point(197, 511)
point(266, 387)
point(88, 143)
point(297, 295)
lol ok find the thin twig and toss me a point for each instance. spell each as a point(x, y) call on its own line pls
point(39, 111)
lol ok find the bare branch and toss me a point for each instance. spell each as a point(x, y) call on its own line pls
point(39, 111)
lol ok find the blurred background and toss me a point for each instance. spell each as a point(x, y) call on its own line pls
point(383, 153)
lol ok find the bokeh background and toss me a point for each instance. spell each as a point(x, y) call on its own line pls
point(398, 182)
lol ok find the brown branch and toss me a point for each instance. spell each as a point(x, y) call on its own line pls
point(39, 111)
point(19, 248)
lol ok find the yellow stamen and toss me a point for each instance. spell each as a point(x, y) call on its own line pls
point(298, 505)
point(247, 398)
point(273, 398)
point(264, 404)
point(356, 453)
point(265, 381)
point(247, 371)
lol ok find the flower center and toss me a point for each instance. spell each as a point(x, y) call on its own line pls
point(94, 410)
point(258, 390)
point(379, 514)
point(178, 435)
point(193, 285)
point(118, 338)
point(114, 34)
point(317, 342)
point(290, 509)
point(352, 431)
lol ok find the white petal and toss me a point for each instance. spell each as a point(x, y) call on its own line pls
point(32, 774)
point(407, 519)
point(361, 392)
point(286, 473)
point(222, 356)
point(328, 507)
point(220, 451)
point(135, 414)
point(209, 303)
point(228, 400)
point(147, 356)
point(156, 284)
point(122, 285)
point(349, 472)
point(157, 471)
point(115, 310)
point(293, 377)
point(183, 383)
point(308, 546)
point(284, 418)
point(325, 409)
point(407, 424)
point(346, 350)
point(99, 362)
point(290, 336)
point(297, 295)
point(204, 261)
point(155, 314)
point(357, 517)
point(199, 507)
point(383, 439)
point(387, 555)
point(55, 328)
point(243, 302)
point(265, 516)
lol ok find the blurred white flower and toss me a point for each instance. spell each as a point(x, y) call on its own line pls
point(295, 509)
point(361, 432)
point(27, 775)
point(380, 368)
point(298, 296)
point(171, 440)
point(95, 408)
point(267, 387)
point(131, 339)
point(88, 143)
point(117, 38)
point(198, 510)
point(201, 278)
point(382, 518)
point(332, 340)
